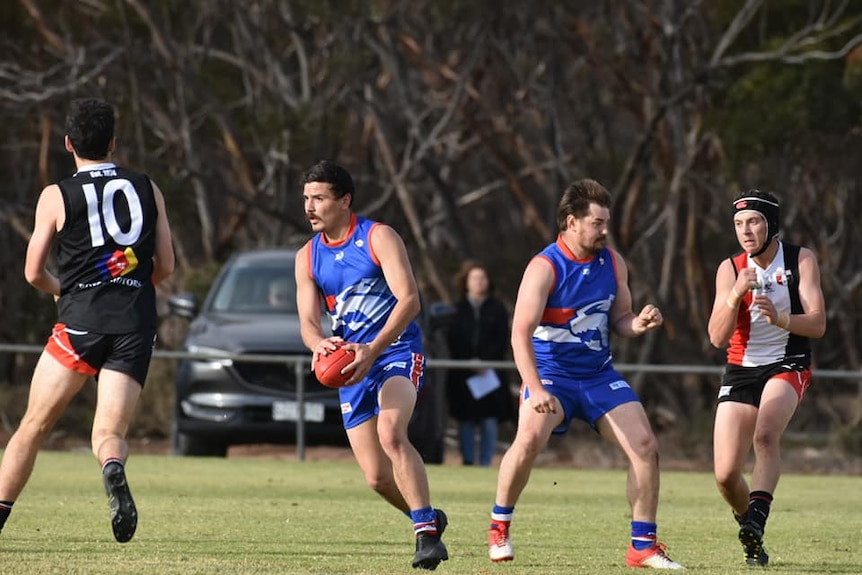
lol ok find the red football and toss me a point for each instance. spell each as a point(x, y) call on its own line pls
point(328, 367)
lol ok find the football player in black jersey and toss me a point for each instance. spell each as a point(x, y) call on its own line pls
point(113, 245)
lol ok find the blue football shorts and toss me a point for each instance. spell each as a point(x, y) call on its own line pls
point(359, 401)
point(587, 398)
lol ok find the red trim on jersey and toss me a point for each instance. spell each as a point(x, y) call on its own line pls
point(350, 229)
point(60, 348)
point(310, 246)
point(330, 303)
point(553, 271)
point(741, 335)
point(614, 263)
point(371, 246)
point(558, 316)
point(568, 253)
point(742, 332)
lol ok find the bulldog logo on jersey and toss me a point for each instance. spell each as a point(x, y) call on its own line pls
point(590, 324)
point(587, 326)
point(118, 263)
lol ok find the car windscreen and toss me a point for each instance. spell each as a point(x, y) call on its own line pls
point(256, 288)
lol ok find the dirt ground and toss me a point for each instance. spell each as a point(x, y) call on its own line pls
point(582, 453)
point(579, 450)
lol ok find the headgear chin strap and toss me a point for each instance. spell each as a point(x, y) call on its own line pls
point(768, 210)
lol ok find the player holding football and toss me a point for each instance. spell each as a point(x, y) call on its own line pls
point(113, 245)
point(360, 269)
point(768, 303)
point(572, 295)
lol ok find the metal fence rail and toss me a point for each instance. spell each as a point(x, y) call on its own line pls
point(439, 363)
point(302, 364)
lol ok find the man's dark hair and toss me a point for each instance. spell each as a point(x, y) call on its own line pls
point(328, 172)
point(577, 198)
point(90, 127)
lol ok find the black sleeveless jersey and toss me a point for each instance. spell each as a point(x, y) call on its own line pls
point(105, 251)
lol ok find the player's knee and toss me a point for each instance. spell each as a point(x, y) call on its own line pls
point(33, 430)
point(391, 440)
point(766, 440)
point(645, 447)
point(529, 443)
point(726, 478)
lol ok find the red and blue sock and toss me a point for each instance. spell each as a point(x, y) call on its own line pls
point(643, 535)
point(501, 516)
point(424, 520)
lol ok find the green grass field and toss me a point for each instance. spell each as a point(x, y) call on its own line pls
point(259, 516)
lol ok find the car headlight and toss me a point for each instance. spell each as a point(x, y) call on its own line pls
point(216, 358)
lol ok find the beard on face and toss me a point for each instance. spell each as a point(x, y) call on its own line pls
point(598, 245)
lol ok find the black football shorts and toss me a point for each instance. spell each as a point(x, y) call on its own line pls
point(89, 353)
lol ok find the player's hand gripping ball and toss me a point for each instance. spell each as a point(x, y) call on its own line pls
point(328, 367)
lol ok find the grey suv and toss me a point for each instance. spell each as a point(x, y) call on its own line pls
point(223, 400)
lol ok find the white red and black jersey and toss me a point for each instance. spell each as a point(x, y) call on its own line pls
point(105, 251)
point(756, 342)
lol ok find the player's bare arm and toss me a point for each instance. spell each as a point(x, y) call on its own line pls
point(725, 308)
point(389, 249)
point(163, 259)
point(50, 216)
point(623, 320)
point(532, 298)
point(730, 288)
point(308, 307)
point(813, 322)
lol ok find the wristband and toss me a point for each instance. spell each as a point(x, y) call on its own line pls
point(733, 299)
point(784, 321)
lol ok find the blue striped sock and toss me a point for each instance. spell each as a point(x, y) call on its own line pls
point(502, 514)
point(643, 534)
point(424, 520)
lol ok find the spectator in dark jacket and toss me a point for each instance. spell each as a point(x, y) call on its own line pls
point(478, 399)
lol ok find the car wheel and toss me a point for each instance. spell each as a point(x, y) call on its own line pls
point(185, 444)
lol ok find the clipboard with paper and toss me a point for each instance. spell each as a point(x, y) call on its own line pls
point(483, 383)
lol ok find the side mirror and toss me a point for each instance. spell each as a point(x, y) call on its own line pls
point(183, 305)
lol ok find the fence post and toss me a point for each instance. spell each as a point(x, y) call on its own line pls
point(300, 400)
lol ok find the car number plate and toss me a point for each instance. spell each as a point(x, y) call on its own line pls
point(289, 411)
